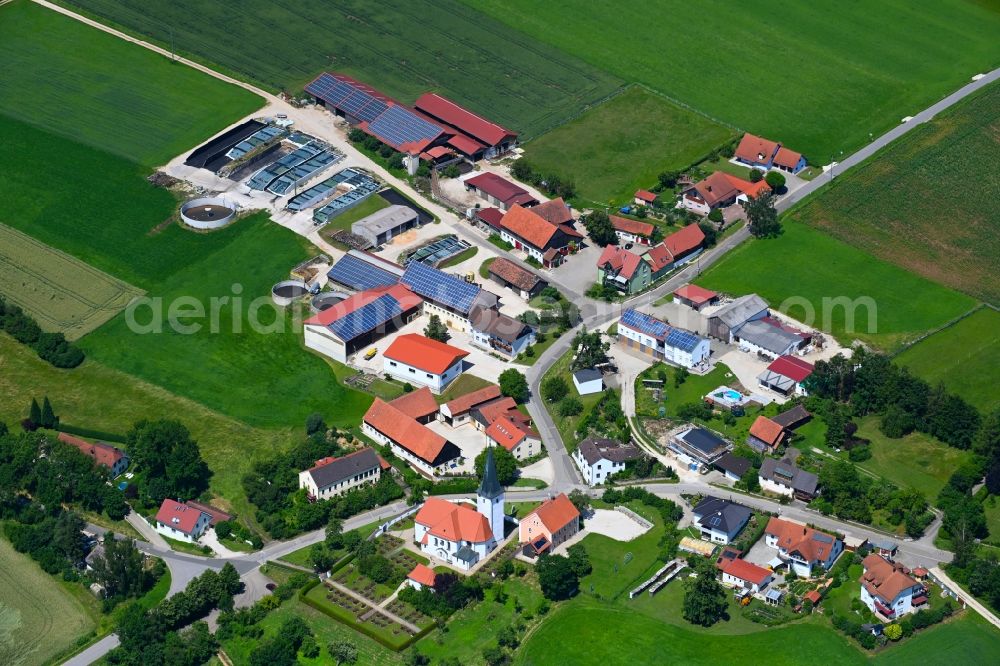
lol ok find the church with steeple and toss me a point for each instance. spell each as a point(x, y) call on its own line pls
point(458, 534)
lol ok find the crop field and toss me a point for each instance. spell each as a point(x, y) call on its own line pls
point(972, 350)
point(67, 77)
point(38, 618)
point(259, 374)
point(818, 76)
point(62, 293)
point(804, 268)
point(928, 202)
point(620, 146)
point(401, 48)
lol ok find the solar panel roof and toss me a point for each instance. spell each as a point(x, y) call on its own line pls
point(641, 321)
point(440, 287)
point(397, 125)
point(366, 318)
point(682, 339)
point(372, 110)
point(357, 274)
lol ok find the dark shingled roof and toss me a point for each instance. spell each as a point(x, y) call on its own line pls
point(733, 464)
point(792, 418)
point(490, 487)
point(345, 467)
point(722, 515)
point(594, 449)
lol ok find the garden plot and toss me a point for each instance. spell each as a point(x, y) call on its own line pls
point(62, 293)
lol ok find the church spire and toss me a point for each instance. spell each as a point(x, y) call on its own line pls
point(490, 487)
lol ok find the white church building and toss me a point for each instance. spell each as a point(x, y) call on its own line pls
point(458, 534)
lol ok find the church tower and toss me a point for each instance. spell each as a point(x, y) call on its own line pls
point(490, 497)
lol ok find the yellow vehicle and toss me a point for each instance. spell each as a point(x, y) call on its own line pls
point(370, 354)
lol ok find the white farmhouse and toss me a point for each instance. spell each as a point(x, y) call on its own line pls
point(600, 458)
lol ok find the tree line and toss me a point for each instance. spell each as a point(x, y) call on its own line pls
point(52, 348)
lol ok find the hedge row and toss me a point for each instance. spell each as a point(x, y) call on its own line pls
point(50, 347)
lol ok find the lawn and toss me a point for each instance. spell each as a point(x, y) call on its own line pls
point(148, 112)
point(567, 424)
point(801, 272)
point(96, 396)
point(817, 76)
point(926, 203)
point(249, 363)
point(915, 461)
point(61, 292)
point(966, 640)
point(620, 146)
point(972, 347)
point(464, 255)
point(457, 51)
point(612, 576)
point(465, 383)
point(343, 222)
point(39, 617)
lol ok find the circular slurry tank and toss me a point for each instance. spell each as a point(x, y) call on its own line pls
point(208, 212)
point(326, 300)
point(285, 293)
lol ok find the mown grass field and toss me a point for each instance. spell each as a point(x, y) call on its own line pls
point(259, 374)
point(39, 618)
point(403, 49)
point(61, 292)
point(928, 201)
point(817, 76)
point(70, 78)
point(807, 266)
point(620, 146)
point(972, 350)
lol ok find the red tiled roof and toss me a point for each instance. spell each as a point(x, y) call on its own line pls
point(659, 257)
point(437, 151)
point(799, 538)
point(423, 353)
point(695, 294)
point(514, 274)
point(645, 195)
point(103, 454)
point(528, 226)
point(464, 403)
point(792, 367)
point(406, 298)
point(620, 260)
point(500, 188)
point(746, 571)
point(494, 410)
point(178, 516)
point(504, 432)
point(453, 522)
point(556, 513)
point(465, 145)
point(490, 216)
point(814, 596)
point(468, 122)
point(767, 431)
point(217, 515)
point(417, 404)
point(628, 226)
point(755, 149)
point(721, 186)
point(684, 241)
point(555, 211)
point(883, 579)
point(787, 158)
point(415, 437)
point(423, 574)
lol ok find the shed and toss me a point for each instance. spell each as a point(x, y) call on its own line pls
point(383, 225)
point(588, 380)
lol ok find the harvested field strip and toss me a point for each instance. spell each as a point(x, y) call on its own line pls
point(61, 292)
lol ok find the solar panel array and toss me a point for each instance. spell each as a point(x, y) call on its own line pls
point(304, 171)
point(366, 318)
point(352, 272)
point(347, 97)
point(440, 287)
point(642, 322)
point(398, 125)
point(258, 138)
point(682, 339)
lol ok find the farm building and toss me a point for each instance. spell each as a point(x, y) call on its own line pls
point(685, 243)
point(523, 282)
point(784, 478)
point(623, 270)
point(473, 135)
point(360, 271)
point(421, 361)
point(499, 191)
point(791, 419)
point(555, 211)
point(445, 295)
point(519, 439)
point(458, 411)
point(487, 219)
point(421, 576)
point(588, 381)
point(422, 448)
point(499, 333)
point(553, 522)
point(764, 154)
point(383, 225)
point(743, 575)
point(110, 457)
point(768, 337)
point(632, 231)
point(351, 325)
point(725, 321)
point(539, 238)
point(600, 458)
point(644, 198)
point(331, 477)
point(700, 446)
point(645, 333)
point(695, 297)
point(785, 375)
point(719, 190)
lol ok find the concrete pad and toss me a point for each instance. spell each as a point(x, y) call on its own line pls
point(472, 442)
point(614, 524)
point(542, 469)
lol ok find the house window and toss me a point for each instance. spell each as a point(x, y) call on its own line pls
point(412, 371)
point(392, 363)
point(429, 375)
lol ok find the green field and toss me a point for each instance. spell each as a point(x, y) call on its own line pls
point(69, 78)
point(263, 377)
point(403, 49)
point(39, 618)
point(61, 292)
point(972, 347)
point(928, 201)
point(818, 76)
point(620, 146)
point(806, 265)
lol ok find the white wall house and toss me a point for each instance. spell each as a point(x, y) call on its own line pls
point(176, 520)
point(886, 590)
point(598, 459)
point(658, 339)
point(331, 477)
point(436, 382)
point(421, 361)
point(802, 547)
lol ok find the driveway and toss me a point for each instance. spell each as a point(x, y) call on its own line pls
point(472, 442)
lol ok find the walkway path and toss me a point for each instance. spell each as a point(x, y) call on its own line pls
point(146, 530)
point(409, 626)
point(966, 597)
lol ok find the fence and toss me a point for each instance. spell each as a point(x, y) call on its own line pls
point(634, 516)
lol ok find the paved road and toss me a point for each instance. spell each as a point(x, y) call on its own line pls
point(966, 597)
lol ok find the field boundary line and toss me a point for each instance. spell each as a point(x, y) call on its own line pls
point(943, 327)
point(685, 105)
